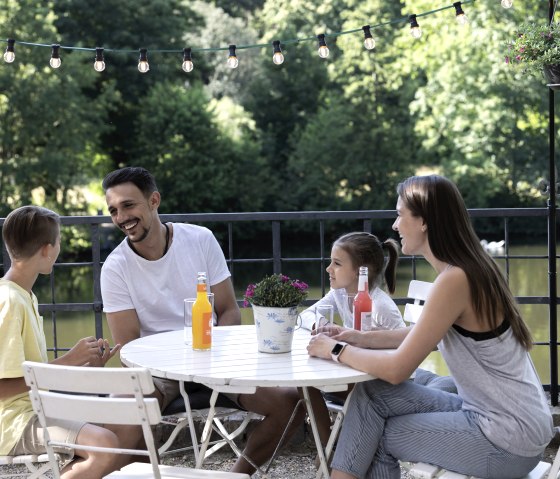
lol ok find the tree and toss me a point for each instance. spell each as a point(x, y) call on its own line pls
point(50, 139)
point(198, 166)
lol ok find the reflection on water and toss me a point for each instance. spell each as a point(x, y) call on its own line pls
point(528, 277)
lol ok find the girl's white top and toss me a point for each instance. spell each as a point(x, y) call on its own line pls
point(385, 313)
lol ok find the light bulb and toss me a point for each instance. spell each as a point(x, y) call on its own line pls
point(369, 41)
point(460, 16)
point(99, 64)
point(232, 60)
point(10, 55)
point(462, 19)
point(188, 64)
point(507, 3)
point(277, 56)
point(55, 60)
point(143, 65)
point(415, 29)
point(323, 49)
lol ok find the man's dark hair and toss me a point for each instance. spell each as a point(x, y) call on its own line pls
point(136, 175)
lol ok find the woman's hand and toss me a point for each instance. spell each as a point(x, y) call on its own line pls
point(351, 336)
point(320, 346)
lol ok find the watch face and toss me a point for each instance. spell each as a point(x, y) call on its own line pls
point(337, 348)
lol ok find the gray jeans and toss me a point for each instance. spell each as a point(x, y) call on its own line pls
point(416, 423)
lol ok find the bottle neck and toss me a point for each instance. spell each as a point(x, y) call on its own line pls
point(201, 288)
point(363, 282)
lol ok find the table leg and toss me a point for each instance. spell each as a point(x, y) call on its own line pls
point(190, 420)
point(207, 431)
point(335, 430)
point(323, 469)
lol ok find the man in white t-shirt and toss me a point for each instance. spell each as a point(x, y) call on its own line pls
point(143, 284)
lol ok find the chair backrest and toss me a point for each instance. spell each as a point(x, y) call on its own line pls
point(72, 393)
point(418, 291)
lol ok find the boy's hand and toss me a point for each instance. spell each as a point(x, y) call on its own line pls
point(89, 352)
point(104, 353)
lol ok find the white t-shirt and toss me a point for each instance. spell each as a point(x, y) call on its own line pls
point(156, 289)
point(384, 307)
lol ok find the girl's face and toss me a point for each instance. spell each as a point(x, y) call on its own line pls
point(411, 229)
point(341, 272)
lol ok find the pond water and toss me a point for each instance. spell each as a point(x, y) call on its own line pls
point(528, 277)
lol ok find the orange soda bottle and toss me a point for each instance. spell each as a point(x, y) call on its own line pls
point(201, 316)
point(362, 302)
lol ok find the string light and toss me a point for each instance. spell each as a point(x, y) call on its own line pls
point(188, 64)
point(460, 16)
point(232, 60)
point(323, 49)
point(55, 60)
point(143, 65)
point(10, 54)
point(507, 3)
point(277, 56)
point(369, 41)
point(99, 63)
point(415, 29)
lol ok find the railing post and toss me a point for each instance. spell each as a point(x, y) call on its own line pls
point(276, 248)
point(552, 291)
point(96, 267)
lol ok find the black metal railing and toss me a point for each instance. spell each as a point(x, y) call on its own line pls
point(276, 224)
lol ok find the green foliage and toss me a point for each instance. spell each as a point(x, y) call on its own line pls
point(50, 131)
point(318, 134)
point(536, 45)
point(276, 291)
point(197, 166)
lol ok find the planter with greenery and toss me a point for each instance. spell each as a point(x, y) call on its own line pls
point(536, 49)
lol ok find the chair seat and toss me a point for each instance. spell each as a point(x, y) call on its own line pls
point(421, 470)
point(140, 470)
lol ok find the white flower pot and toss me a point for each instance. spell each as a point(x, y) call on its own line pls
point(275, 328)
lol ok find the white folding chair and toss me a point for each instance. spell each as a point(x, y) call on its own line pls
point(76, 398)
point(417, 291)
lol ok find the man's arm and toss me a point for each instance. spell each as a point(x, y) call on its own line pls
point(124, 326)
point(225, 304)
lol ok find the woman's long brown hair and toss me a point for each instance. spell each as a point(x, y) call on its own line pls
point(452, 239)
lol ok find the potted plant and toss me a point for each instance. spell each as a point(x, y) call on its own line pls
point(536, 48)
point(274, 300)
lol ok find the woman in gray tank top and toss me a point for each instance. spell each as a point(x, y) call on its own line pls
point(499, 423)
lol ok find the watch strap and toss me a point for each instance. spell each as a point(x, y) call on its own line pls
point(336, 355)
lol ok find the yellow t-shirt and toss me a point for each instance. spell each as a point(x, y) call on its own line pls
point(21, 338)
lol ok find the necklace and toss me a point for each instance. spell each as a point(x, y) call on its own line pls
point(166, 243)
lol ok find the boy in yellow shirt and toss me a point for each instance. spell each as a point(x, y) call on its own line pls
point(31, 235)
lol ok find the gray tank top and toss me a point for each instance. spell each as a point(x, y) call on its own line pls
point(498, 383)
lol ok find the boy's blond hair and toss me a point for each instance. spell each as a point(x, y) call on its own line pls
point(27, 229)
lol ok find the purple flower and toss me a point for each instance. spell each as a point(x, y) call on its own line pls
point(507, 60)
point(284, 278)
point(250, 292)
point(300, 285)
point(518, 58)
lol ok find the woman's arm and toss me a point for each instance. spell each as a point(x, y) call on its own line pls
point(448, 300)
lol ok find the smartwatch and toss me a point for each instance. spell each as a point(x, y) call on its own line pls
point(337, 351)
